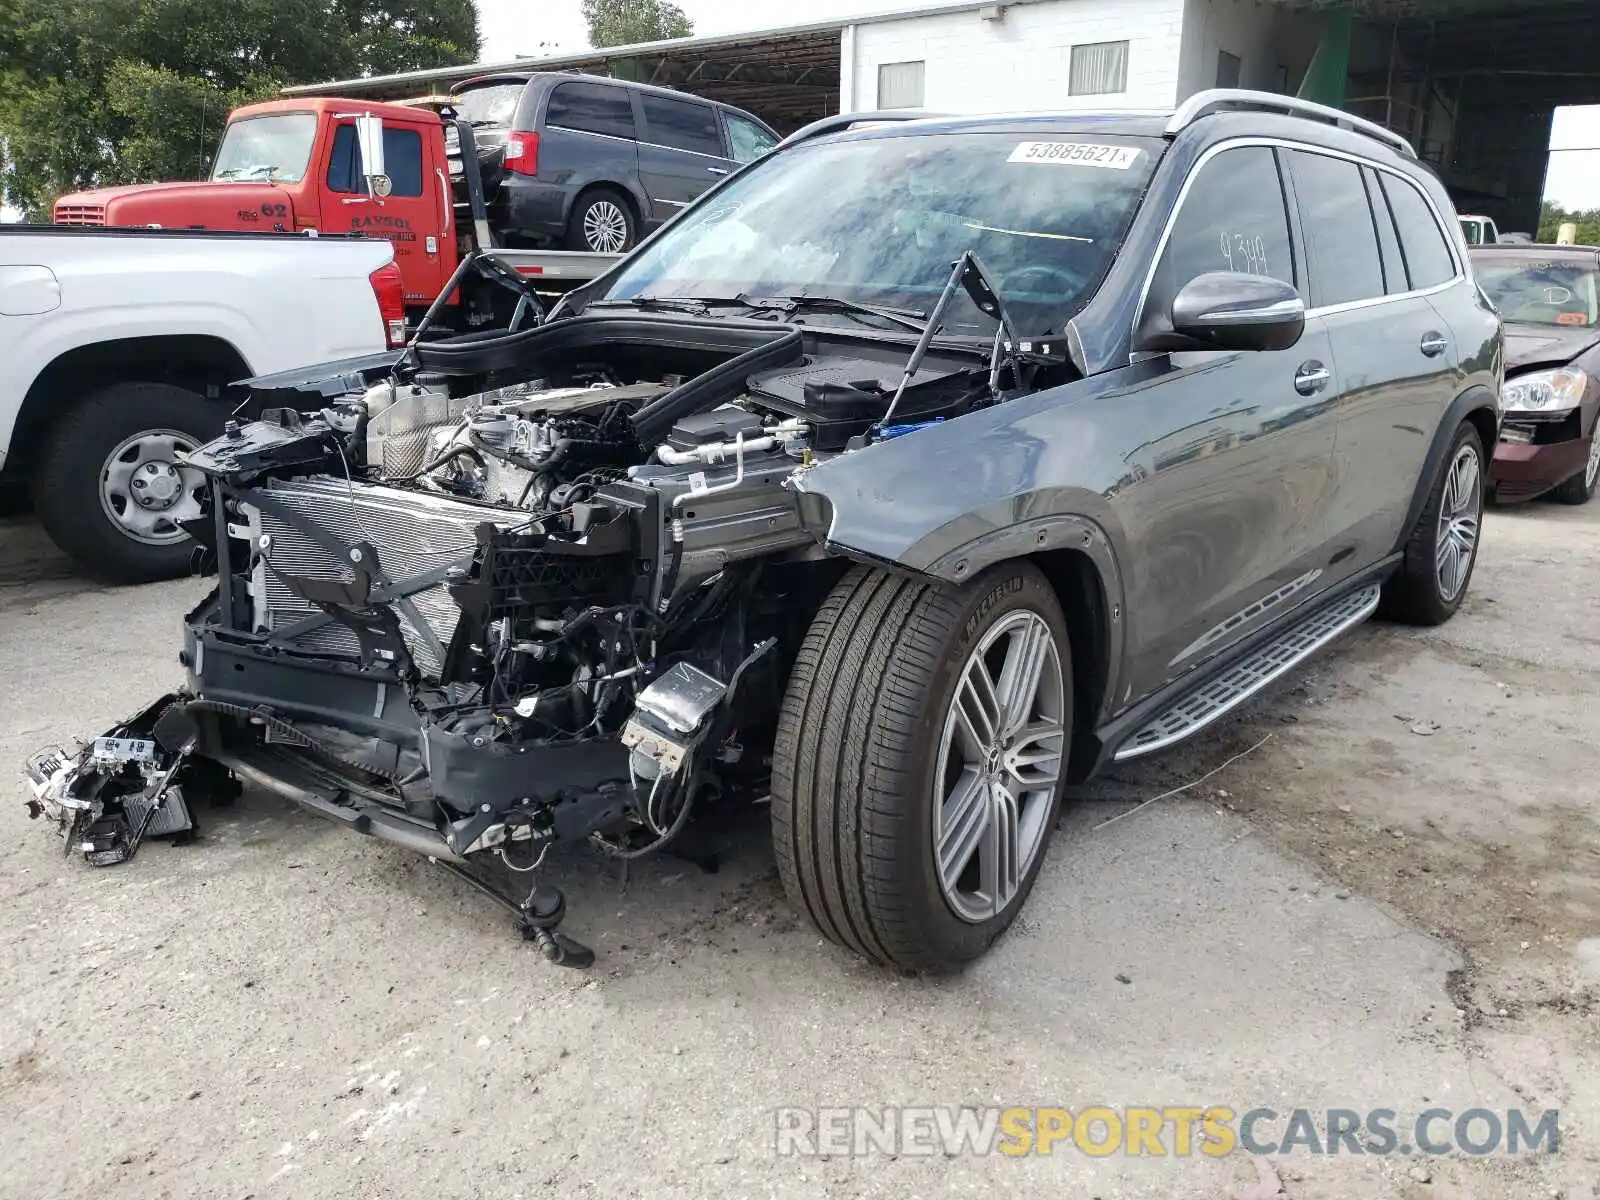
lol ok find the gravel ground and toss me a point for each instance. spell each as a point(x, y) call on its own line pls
point(1393, 902)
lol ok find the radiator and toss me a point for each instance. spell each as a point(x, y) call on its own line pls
point(413, 533)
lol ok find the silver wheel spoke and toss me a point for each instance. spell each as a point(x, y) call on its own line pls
point(1001, 761)
point(1000, 870)
point(1468, 494)
point(963, 820)
point(1460, 517)
point(978, 710)
point(1019, 677)
point(1034, 762)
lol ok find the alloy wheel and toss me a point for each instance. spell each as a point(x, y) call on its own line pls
point(146, 490)
point(1592, 472)
point(1001, 755)
point(605, 227)
point(1460, 518)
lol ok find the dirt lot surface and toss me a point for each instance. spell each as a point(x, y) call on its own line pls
point(1394, 902)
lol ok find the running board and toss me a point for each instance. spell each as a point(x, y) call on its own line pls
point(1243, 680)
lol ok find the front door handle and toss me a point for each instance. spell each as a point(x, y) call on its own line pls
point(1434, 344)
point(718, 170)
point(1311, 378)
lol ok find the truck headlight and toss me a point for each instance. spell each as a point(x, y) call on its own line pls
point(1545, 391)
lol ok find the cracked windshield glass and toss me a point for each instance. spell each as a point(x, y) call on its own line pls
point(881, 219)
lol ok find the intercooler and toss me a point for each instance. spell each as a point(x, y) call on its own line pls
point(413, 533)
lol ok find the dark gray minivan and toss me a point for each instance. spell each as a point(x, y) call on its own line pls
point(592, 163)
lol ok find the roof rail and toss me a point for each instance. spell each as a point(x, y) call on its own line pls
point(840, 121)
point(1215, 100)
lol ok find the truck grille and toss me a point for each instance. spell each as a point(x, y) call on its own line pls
point(80, 214)
point(413, 534)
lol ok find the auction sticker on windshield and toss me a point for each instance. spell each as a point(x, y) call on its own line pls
point(1076, 154)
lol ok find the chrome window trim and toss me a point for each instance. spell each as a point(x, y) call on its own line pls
point(610, 137)
point(1287, 144)
point(681, 150)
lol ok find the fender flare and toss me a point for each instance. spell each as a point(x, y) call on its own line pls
point(1043, 535)
point(1474, 400)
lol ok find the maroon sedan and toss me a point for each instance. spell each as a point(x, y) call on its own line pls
point(1549, 298)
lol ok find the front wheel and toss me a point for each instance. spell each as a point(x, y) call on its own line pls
point(111, 488)
point(1431, 581)
point(919, 762)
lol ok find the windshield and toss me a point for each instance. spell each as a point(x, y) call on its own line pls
point(276, 147)
point(1541, 292)
point(494, 105)
point(882, 220)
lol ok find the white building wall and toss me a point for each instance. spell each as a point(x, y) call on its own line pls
point(1274, 46)
point(1022, 61)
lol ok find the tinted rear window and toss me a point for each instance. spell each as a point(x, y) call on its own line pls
point(1345, 264)
point(1422, 241)
point(592, 108)
point(682, 124)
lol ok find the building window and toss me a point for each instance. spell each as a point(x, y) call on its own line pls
point(1099, 69)
point(1228, 68)
point(900, 84)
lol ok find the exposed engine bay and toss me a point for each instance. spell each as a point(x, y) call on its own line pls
point(537, 586)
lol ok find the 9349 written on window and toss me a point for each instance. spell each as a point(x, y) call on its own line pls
point(1233, 219)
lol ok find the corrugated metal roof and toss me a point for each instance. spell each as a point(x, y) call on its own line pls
point(592, 58)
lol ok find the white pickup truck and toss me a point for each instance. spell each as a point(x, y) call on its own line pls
point(115, 348)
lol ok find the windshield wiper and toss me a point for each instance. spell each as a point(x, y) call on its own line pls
point(683, 304)
point(906, 318)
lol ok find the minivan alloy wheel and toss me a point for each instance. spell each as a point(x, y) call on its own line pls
point(605, 227)
point(1000, 762)
point(1460, 518)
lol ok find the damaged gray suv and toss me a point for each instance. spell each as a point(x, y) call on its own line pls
point(919, 470)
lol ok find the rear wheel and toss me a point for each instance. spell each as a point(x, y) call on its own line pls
point(602, 223)
point(1580, 488)
point(919, 762)
point(110, 488)
point(1432, 580)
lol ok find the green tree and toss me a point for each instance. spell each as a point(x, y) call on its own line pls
point(624, 22)
point(1553, 215)
point(122, 91)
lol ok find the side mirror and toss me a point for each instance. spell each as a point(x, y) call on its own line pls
point(369, 140)
point(1227, 310)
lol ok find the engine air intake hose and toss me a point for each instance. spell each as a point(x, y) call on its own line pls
point(654, 421)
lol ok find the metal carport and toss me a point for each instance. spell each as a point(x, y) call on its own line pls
point(787, 77)
point(1472, 83)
